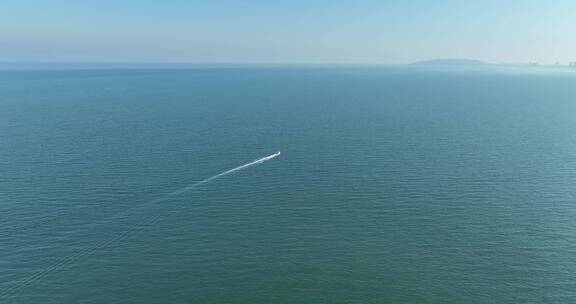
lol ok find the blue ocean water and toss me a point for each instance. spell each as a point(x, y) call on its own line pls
point(395, 185)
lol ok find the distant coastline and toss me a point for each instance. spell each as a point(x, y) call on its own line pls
point(440, 63)
point(464, 62)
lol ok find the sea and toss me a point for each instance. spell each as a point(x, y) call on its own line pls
point(395, 184)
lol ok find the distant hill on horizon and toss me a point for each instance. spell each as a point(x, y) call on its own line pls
point(451, 61)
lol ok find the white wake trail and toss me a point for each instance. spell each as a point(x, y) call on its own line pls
point(69, 212)
point(244, 166)
point(14, 290)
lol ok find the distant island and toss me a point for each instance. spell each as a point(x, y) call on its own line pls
point(463, 62)
point(452, 62)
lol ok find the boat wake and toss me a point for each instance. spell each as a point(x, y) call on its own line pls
point(14, 290)
point(252, 163)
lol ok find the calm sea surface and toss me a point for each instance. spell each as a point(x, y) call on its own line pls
point(395, 185)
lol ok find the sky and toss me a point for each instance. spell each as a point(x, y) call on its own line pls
point(295, 31)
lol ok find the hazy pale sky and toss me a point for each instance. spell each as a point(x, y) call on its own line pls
point(321, 31)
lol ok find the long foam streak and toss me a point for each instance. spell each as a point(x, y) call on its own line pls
point(252, 163)
point(52, 216)
point(71, 259)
